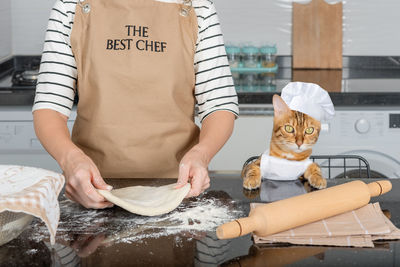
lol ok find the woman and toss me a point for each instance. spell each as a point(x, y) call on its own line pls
point(139, 67)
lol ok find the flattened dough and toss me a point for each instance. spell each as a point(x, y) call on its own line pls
point(147, 200)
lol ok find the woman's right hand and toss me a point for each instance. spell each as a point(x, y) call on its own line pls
point(82, 175)
point(82, 179)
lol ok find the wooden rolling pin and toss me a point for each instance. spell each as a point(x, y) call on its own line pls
point(286, 214)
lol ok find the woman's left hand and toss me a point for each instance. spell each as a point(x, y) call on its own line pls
point(193, 169)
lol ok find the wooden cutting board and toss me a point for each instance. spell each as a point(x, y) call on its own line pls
point(317, 35)
point(330, 80)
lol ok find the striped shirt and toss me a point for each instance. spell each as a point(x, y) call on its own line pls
point(56, 86)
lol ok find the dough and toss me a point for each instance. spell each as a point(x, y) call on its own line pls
point(147, 200)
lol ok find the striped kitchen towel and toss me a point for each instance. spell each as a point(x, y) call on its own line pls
point(358, 228)
point(33, 191)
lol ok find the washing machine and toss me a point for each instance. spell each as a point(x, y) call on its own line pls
point(370, 132)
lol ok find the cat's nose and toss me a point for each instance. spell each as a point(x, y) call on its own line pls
point(299, 143)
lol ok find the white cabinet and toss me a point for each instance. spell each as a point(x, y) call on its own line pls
point(18, 142)
point(251, 137)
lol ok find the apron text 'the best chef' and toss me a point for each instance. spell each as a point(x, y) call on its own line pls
point(136, 80)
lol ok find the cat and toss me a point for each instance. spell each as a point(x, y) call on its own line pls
point(293, 136)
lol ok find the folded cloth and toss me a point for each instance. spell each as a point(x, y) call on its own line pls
point(33, 191)
point(356, 228)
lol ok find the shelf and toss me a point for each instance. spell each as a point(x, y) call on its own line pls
point(255, 70)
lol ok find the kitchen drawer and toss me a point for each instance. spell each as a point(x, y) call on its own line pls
point(20, 135)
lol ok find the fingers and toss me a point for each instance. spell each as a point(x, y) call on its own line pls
point(200, 182)
point(85, 201)
point(80, 189)
point(98, 181)
point(183, 176)
point(90, 192)
point(197, 187)
point(206, 185)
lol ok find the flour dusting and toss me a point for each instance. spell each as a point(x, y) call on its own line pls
point(191, 218)
point(31, 251)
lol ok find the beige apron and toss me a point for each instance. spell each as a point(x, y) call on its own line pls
point(136, 86)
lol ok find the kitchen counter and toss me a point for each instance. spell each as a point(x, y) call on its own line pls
point(184, 237)
point(363, 81)
point(10, 96)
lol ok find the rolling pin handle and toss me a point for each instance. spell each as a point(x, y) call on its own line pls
point(236, 228)
point(379, 187)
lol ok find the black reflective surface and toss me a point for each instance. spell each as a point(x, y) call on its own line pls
point(114, 237)
point(363, 81)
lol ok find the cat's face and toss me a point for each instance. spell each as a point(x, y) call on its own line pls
point(294, 131)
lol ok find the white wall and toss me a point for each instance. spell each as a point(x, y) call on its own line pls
point(370, 26)
point(5, 30)
point(29, 23)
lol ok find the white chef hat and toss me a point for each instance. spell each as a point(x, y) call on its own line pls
point(310, 99)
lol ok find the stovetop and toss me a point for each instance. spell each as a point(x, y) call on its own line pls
point(26, 77)
point(19, 73)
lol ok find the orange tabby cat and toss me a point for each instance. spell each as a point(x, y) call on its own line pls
point(293, 137)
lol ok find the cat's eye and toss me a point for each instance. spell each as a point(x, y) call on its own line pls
point(309, 130)
point(289, 129)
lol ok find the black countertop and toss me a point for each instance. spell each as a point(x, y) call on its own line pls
point(364, 81)
point(24, 97)
point(184, 237)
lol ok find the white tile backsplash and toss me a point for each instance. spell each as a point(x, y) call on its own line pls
point(370, 26)
point(5, 30)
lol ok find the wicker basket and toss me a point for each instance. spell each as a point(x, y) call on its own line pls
point(12, 224)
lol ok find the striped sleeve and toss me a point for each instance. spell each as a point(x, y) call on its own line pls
point(214, 89)
point(57, 78)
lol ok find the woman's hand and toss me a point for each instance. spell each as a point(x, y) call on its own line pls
point(82, 179)
point(82, 175)
point(193, 168)
point(215, 131)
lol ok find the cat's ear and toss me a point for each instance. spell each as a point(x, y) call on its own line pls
point(280, 107)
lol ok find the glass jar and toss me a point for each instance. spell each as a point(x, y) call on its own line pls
point(233, 54)
point(268, 56)
point(267, 82)
point(250, 82)
point(251, 57)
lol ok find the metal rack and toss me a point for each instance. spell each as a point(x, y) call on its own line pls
point(326, 162)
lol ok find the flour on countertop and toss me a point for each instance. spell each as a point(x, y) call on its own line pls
point(31, 251)
point(192, 217)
